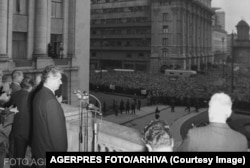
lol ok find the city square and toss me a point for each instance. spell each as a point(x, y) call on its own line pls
point(123, 76)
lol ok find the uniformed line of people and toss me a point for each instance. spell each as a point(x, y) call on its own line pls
point(128, 107)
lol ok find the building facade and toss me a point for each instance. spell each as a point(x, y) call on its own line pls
point(220, 19)
point(151, 35)
point(241, 45)
point(219, 38)
point(37, 33)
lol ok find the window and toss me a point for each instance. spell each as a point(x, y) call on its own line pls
point(93, 54)
point(128, 55)
point(165, 41)
point(56, 8)
point(19, 45)
point(165, 29)
point(20, 7)
point(165, 53)
point(93, 32)
point(141, 54)
point(165, 16)
point(55, 47)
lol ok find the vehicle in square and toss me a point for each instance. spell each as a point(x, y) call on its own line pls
point(180, 73)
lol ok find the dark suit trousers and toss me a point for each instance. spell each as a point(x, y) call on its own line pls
point(20, 146)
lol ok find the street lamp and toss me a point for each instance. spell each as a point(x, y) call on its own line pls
point(232, 64)
point(223, 72)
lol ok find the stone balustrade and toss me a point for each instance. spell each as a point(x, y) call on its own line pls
point(110, 137)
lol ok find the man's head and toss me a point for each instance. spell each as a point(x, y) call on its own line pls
point(27, 84)
point(17, 76)
point(51, 77)
point(157, 137)
point(220, 108)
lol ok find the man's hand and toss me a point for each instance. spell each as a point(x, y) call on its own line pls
point(59, 99)
point(4, 97)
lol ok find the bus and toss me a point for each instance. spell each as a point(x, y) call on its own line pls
point(99, 71)
point(123, 70)
point(180, 73)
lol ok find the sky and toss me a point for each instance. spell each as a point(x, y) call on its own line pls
point(235, 10)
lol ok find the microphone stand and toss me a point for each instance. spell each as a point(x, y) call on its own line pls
point(80, 126)
point(86, 130)
point(83, 99)
point(84, 103)
point(95, 125)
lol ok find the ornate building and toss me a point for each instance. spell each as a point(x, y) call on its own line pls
point(151, 35)
point(37, 33)
point(219, 38)
point(241, 45)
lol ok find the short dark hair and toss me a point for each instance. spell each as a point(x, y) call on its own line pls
point(27, 83)
point(157, 133)
point(51, 69)
point(15, 74)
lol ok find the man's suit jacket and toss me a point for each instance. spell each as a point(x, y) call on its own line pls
point(21, 124)
point(214, 137)
point(15, 87)
point(49, 127)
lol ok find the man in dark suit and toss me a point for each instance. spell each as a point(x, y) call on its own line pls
point(217, 135)
point(21, 124)
point(49, 127)
point(17, 78)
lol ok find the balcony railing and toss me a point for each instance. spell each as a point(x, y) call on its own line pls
point(110, 138)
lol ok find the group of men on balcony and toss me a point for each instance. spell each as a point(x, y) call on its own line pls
point(39, 121)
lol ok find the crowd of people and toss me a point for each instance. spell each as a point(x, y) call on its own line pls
point(160, 89)
point(39, 121)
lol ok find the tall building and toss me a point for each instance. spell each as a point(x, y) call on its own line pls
point(37, 33)
point(151, 35)
point(220, 19)
point(219, 38)
point(241, 45)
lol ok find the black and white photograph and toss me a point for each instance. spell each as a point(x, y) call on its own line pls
point(105, 76)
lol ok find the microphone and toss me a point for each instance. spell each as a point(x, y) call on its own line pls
point(83, 95)
point(96, 109)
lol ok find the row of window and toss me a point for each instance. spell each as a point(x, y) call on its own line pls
point(165, 17)
point(120, 20)
point(127, 31)
point(120, 43)
point(165, 2)
point(19, 45)
point(161, 2)
point(128, 55)
point(20, 7)
point(126, 43)
point(108, 1)
point(121, 9)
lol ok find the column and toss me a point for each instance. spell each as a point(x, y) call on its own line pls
point(41, 20)
point(3, 29)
